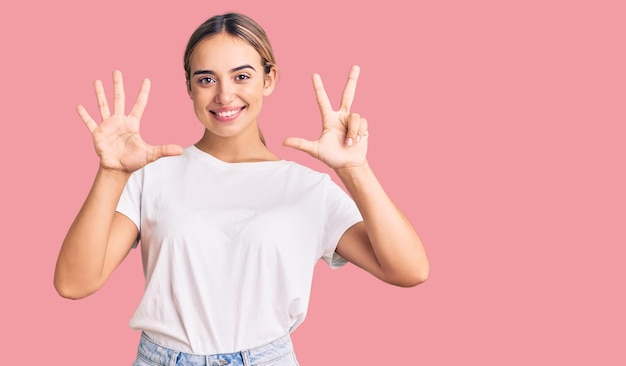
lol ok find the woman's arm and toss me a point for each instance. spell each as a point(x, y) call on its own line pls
point(97, 241)
point(100, 238)
point(385, 243)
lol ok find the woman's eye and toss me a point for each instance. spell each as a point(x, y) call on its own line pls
point(206, 80)
point(242, 77)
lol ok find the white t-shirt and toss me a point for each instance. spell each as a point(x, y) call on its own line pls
point(229, 249)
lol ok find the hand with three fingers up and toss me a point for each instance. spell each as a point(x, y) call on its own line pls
point(343, 142)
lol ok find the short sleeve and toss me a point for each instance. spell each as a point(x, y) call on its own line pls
point(129, 204)
point(341, 213)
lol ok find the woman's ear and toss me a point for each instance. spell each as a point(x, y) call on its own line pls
point(270, 81)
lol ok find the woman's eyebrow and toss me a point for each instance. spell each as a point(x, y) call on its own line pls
point(238, 68)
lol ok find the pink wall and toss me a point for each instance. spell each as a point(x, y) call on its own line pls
point(498, 129)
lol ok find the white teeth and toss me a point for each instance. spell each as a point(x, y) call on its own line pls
point(228, 113)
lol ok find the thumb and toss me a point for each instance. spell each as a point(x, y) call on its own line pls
point(166, 150)
point(298, 143)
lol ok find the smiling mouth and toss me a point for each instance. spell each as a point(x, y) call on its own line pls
point(227, 114)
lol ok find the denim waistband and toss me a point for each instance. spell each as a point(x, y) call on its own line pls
point(160, 355)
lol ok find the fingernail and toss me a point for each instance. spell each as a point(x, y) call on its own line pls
point(358, 138)
point(350, 141)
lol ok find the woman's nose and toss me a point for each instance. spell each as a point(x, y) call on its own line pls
point(225, 93)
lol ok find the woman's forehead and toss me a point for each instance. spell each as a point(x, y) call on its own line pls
point(224, 52)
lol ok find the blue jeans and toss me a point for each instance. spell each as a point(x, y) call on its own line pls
point(277, 353)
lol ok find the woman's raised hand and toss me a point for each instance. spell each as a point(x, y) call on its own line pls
point(116, 139)
point(343, 142)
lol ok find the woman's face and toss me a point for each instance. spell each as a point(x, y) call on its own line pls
point(227, 84)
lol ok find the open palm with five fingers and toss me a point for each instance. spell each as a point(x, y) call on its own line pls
point(117, 140)
point(343, 142)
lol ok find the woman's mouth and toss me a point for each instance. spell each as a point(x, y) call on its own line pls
point(225, 115)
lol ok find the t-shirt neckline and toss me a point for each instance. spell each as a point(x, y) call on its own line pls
point(194, 150)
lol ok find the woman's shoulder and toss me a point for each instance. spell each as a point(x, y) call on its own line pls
point(301, 168)
point(305, 173)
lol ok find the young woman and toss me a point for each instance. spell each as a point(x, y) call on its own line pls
point(230, 233)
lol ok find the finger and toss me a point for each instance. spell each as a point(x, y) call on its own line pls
point(142, 100)
point(320, 94)
point(350, 89)
point(89, 122)
point(103, 105)
point(354, 122)
point(118, 93)
point(309, 147)
point(363, 131)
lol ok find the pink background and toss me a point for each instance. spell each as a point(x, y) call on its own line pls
point(497, 126)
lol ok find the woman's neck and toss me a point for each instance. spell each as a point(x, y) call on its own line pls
point(236, 149)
